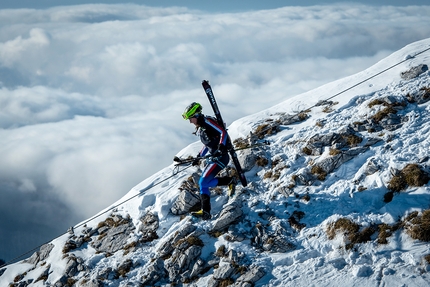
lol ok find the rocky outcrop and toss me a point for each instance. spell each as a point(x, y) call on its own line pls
point(184, 256)
point(229, 215)
point(114, 233)
point(40, 255)
point(189, 197)
point(153, 273)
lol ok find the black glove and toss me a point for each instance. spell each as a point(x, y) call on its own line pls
point(196, 161)
point(220, 151)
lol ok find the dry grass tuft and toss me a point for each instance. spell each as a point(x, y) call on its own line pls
point(319, 172)
point(352, 232)
point(418, 226)
point(412, 175)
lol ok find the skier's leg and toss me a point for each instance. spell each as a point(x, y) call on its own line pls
point(207, 180)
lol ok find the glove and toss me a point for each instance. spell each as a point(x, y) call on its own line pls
point(220, 151)
point(196, 161)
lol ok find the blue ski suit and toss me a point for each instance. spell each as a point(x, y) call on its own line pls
point(214, 138)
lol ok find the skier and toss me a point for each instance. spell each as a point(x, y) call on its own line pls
point(214, 138)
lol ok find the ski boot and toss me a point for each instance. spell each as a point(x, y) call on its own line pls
point(205, 212)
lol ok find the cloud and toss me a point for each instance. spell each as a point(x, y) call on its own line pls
point(92, 95)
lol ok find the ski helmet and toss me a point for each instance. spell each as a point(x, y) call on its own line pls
point(192, 110)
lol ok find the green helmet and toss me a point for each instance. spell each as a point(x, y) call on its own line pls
point(192, 110)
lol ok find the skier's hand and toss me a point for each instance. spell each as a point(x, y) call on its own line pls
point(217, 153)
point(220, 151)
point(196, 161)
point(222, 148)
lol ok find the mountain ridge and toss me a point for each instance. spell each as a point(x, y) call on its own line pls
point(316, 211)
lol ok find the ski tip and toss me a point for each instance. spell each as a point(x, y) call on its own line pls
point(205, 84)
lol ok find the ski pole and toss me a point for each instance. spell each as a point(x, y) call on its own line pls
point(181, 161)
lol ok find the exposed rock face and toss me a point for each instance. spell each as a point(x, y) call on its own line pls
point(181, 257)
point(230, 214)
point(114, 234)
point(184, 256)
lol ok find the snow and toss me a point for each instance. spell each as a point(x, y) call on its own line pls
point(317, 261)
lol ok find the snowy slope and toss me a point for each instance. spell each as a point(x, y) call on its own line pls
point(347, 192)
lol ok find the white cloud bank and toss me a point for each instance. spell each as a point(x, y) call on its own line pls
point(87, 92)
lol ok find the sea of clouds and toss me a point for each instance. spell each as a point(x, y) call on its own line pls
point(91, 96)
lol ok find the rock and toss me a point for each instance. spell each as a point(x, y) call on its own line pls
point(44, 275)
point(224, 271)
point(71, 268)
point(317, 143)
point(183, 258)
point(40, 255)
point(252, 276)
point(275, 242)
point(188, 200)
point(420, 97)
point(150, 223)
point(230, 214)
point(91, 283)
point(155, 272)
point(247, 159)
point(372, 167)
point(198, 268)
point(414, 72)
point(331, 163)
point(115, 236)
point(168, 246)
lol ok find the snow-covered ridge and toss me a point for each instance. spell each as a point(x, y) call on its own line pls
point(321, 184)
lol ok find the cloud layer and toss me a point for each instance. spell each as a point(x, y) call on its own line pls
point(92, 95)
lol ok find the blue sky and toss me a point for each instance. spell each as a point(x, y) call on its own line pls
point(91, 96)
point(215, 6)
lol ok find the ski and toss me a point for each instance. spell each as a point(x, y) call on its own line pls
point(230, 147)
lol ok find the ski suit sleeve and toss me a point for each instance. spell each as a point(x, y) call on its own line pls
point(203, 151)
point(218, 128)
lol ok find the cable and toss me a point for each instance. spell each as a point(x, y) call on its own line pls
point(377, 74)
point(92, 218)
point(140, 192)
point(353, 86)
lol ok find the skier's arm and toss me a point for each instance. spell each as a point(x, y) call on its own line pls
point(203, 151)
point(223, 133)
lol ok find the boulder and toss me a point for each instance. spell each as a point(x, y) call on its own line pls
point(188, 200)
point(333, 162)
point(168, 246)
point(230, 214)
point(40, 255)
